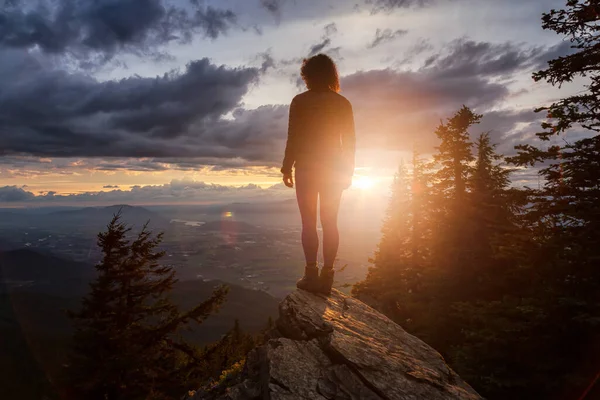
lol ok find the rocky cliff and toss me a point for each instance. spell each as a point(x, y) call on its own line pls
point(339, 348)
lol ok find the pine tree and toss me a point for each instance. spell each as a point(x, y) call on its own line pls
point(396, 227)
point(454, 154)
point(578, 22)
point(394, 280)
point(451, 251)
point(473, 291)
point(386, 277)
point(564, 213)
point(420, 206)
point(498, 305)
point(498, 232)
point(231, 349)
point(126, 344)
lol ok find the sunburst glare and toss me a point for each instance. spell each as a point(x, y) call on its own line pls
point(363, 182)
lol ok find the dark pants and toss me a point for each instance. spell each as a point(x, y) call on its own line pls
point(310, 187)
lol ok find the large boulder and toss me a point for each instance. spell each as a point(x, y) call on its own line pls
point(337, 347)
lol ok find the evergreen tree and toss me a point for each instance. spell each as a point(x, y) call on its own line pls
point(386, 278)
point(231, 349)
point(454, 154)
point(565, 211)
point(126, 344)
point(452, 258)
point(461, 293)
point(393, 283)
point(498, 232)
point(420, 206)
point(396, 227)
point(579, 23)
point(499, 304)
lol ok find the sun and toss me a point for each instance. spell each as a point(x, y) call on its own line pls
point(362, 182)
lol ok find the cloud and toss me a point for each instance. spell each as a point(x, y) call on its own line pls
point(317, 48)
point(465, 57)
point(110, 186)
point(391, 5)
point(28, 167)
point(561, 49)
point(330, 30)
point(177, 191)
point(195, 117)
point(268, 62)
point(48, 112)
point(10, 194)
point(273, 6)
point(418, 47)
point(99, 29)
point(385, 35)
point(397, 109)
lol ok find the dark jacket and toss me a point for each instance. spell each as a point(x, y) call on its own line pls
point(320, 133)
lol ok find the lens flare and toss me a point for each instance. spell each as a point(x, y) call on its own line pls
point(362, 182)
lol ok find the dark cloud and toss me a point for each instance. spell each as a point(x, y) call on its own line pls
point(273, 6)
point(110, 187)
point(253, 137)
point(100, 28)
point(463, 58)
point(385, 35)
point(390, 5)
point(418, 47)
point(268, 62)
point(53, 113)
point(10, 194)
point(179, 115)
point(212, 22)
point(194, 117)
point(561, 49)
point(510, 127)
point(317, 48)
point(330, 30)
point(308, 10)
point(396, 109)
point(316, 9)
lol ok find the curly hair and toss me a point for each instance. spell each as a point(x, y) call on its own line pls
point(319, 72)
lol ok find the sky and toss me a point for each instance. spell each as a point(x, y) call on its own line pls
point(186, 101)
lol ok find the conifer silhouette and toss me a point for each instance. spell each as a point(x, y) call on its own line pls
point(126, 344)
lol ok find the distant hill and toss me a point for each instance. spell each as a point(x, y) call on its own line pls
point(132, 215)
point(29, 270)
point(5, 245)
point(92, 219)
point(27, 274)
point(35, 330)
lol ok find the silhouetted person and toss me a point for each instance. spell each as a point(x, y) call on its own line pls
point(320, 147)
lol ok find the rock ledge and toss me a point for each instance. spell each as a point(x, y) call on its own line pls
point(337, 347)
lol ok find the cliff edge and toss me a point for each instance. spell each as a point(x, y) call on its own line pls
point(339, 348)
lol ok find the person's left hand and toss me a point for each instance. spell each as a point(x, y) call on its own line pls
point(288, 180)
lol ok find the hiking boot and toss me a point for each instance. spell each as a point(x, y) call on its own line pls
point(326, 281)
point(310, 280)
